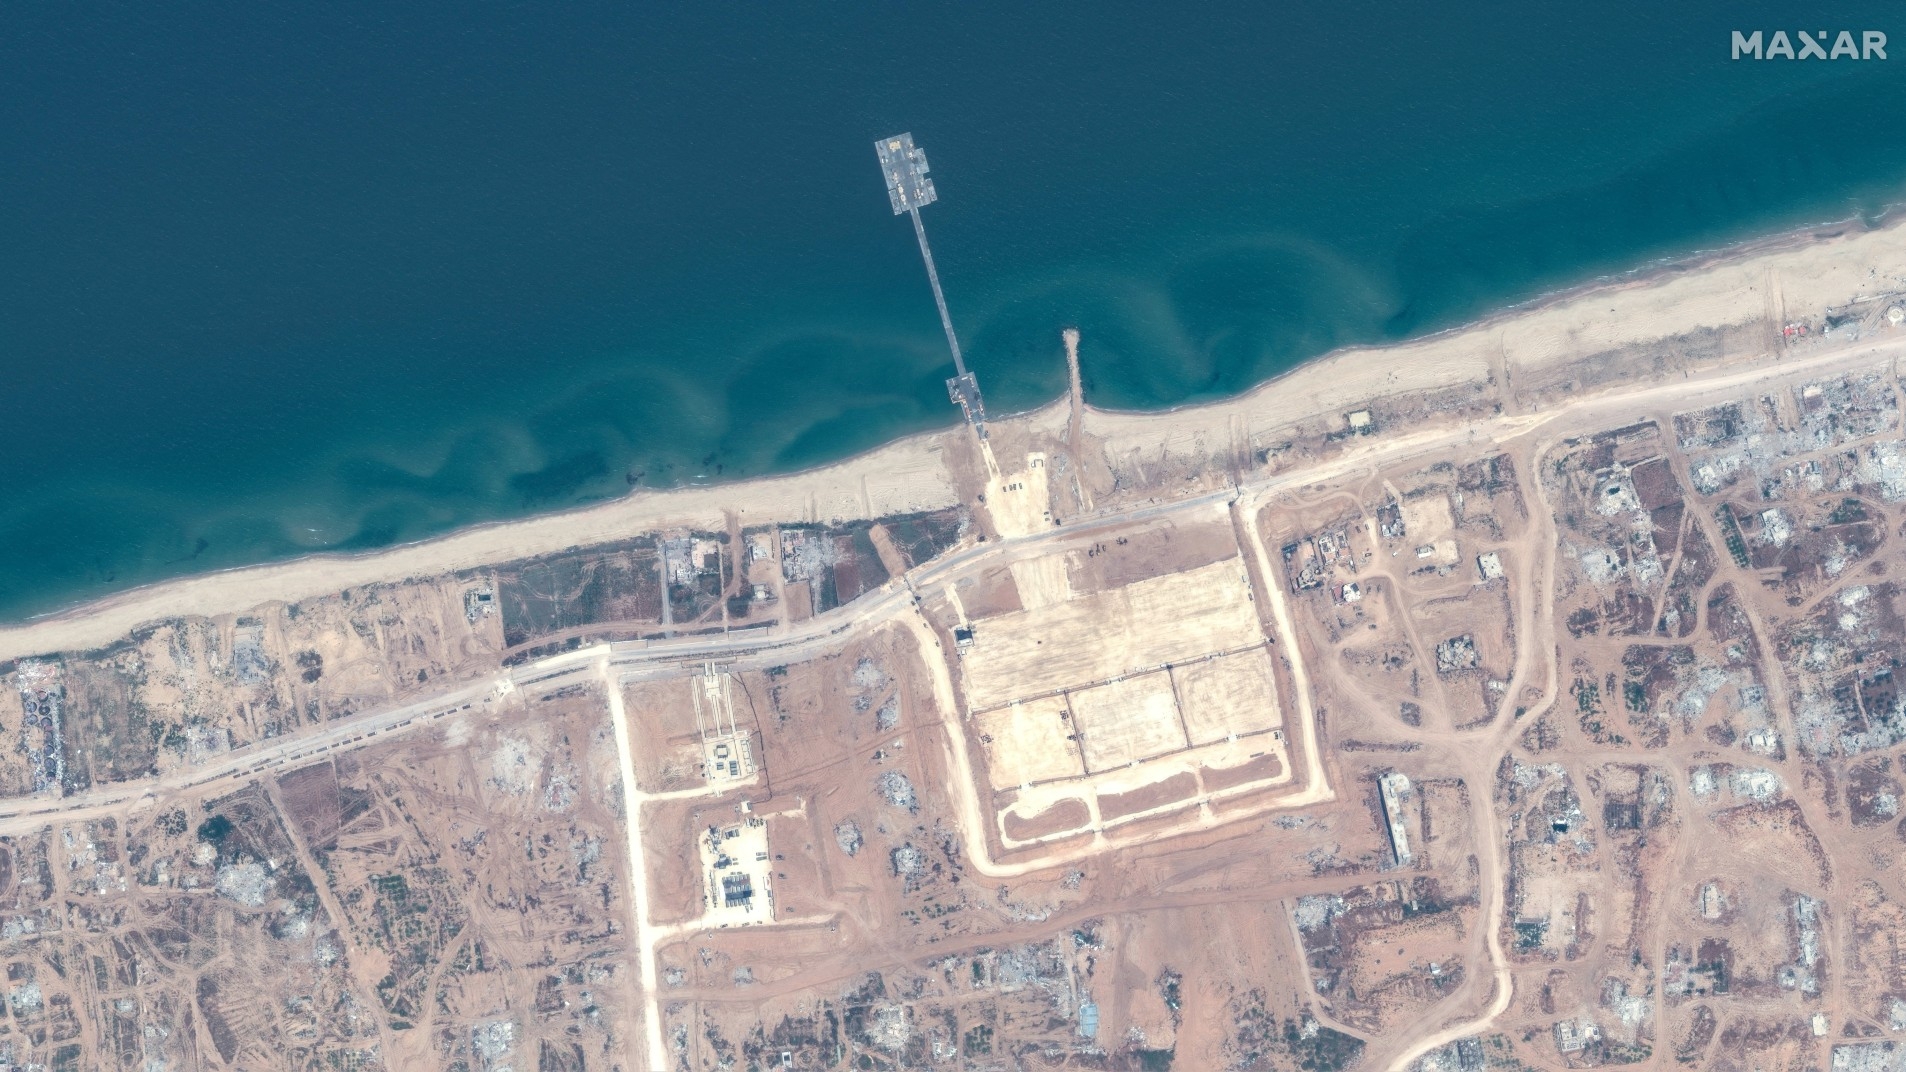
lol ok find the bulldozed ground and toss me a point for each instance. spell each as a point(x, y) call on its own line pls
point(1089, 716)
point(1546, 720)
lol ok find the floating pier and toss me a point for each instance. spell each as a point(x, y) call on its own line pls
point(910, 189)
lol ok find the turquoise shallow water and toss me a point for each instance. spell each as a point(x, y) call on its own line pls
point(283, 282)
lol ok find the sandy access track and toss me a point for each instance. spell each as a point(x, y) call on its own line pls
point(1245, 496)
point(1772, 281)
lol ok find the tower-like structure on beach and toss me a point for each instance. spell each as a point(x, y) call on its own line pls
point(910, 190)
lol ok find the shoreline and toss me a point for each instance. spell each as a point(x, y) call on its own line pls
point(911, 474)
point(1655, 272)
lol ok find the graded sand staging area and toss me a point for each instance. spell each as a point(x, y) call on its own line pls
point(1018, 502)
point(1030, 743)
point(1127, 720)
point(1228, 696)
point(1216, 698)
point(1143, 788)
point(1652, 752)
point(1093, 638)
point(1095, 708)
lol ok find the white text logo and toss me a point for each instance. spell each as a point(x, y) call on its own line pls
point(1805, 46)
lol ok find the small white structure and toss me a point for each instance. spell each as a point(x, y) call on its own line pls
point(1360, 422)
point(1489, 564)
point(1395, 789)
point(761, 547)
point(1711, 903)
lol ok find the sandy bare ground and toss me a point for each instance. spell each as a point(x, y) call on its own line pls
point(1195, 866)
point(1772, 282)
point(902, 477)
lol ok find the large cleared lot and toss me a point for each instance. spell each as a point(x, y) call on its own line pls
point(1092, 638)
point(1108, 679)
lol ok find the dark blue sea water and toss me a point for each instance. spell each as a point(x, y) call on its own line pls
point(285, 278)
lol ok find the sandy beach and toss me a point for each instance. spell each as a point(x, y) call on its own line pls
point(1770, 281)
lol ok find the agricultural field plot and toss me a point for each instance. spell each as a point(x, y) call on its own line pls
point(543, 596)
point(823, 568)
point(921, 538)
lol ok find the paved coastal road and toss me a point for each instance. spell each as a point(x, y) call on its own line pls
point(751, 650)
point(646, 659)
point(636, 661)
